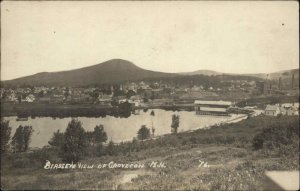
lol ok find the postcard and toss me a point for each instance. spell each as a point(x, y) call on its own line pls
point(149, 95)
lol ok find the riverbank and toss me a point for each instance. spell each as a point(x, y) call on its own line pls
point(119, 129)
point(62, 110)
point(88, 110)
point(36, 109)
point(232, 163)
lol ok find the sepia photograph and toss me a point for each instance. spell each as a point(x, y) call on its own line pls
point(149, 95)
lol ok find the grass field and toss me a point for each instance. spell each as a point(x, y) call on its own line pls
point(232, 163)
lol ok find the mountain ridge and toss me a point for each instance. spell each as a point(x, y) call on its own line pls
point(111, 71)
point(119, 70)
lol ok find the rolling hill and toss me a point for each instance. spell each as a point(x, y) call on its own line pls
point(284, 74)
point(202, 72)
point(112, 71)
point(270, 76)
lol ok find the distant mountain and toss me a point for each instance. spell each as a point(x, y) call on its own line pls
point(118, 70)
point(283, 74)
point(201, 72)
point(112, 71)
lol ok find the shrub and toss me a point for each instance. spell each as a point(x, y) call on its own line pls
point(143, 133)
point(277, 136)
point(57, 139)
point(175, 123)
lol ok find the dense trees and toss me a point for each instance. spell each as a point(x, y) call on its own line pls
point(5, 135)
point(21, 138)
point(76, 142)
point(56, 110)
point(175, 123)
point(125, 109)
point(143, 133)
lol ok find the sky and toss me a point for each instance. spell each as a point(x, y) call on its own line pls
point(168, 36)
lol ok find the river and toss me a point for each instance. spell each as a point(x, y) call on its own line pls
point(118, 129)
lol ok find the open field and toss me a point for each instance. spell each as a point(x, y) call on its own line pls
point(234, 163)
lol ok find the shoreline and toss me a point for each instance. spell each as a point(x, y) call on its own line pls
point(235, 119)
point(86, 110)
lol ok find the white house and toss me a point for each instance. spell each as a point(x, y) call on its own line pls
point(136, 100)
point(292, 111)
point(272, 110)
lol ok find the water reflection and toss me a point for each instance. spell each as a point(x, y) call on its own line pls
point(118, 129)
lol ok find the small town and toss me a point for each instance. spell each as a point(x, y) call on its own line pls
point(271, 96)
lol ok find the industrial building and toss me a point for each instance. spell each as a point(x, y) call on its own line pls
point(212, 107)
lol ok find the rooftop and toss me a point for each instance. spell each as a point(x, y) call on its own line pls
point(228, 103)
point(272, 107)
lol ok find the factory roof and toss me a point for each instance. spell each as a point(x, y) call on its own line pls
point(213, 109)
point(228, 103)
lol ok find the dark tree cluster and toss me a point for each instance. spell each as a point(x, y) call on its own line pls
point(21, 138)
point(75, 142)
point(5, 135)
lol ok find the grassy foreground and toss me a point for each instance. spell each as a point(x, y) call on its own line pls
point(236, 157)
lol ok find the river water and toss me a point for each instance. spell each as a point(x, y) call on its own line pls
point(118, 129)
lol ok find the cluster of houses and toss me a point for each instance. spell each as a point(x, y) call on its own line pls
point(131, 92)
point(282, 109)
point(138, 92)
point(221, 108)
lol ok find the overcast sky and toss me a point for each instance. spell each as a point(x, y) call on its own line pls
point(235, 37)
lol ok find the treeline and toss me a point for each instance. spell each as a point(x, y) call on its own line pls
point(48, 110)
point(20, 141)
point(218, 81)
point(179, 80)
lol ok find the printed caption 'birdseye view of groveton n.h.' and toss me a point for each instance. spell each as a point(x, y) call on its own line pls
point(171, 95)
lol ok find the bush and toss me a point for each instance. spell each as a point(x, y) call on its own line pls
point(57, 139)
point(21, 162)
point(277, 136)
point(143, 133)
